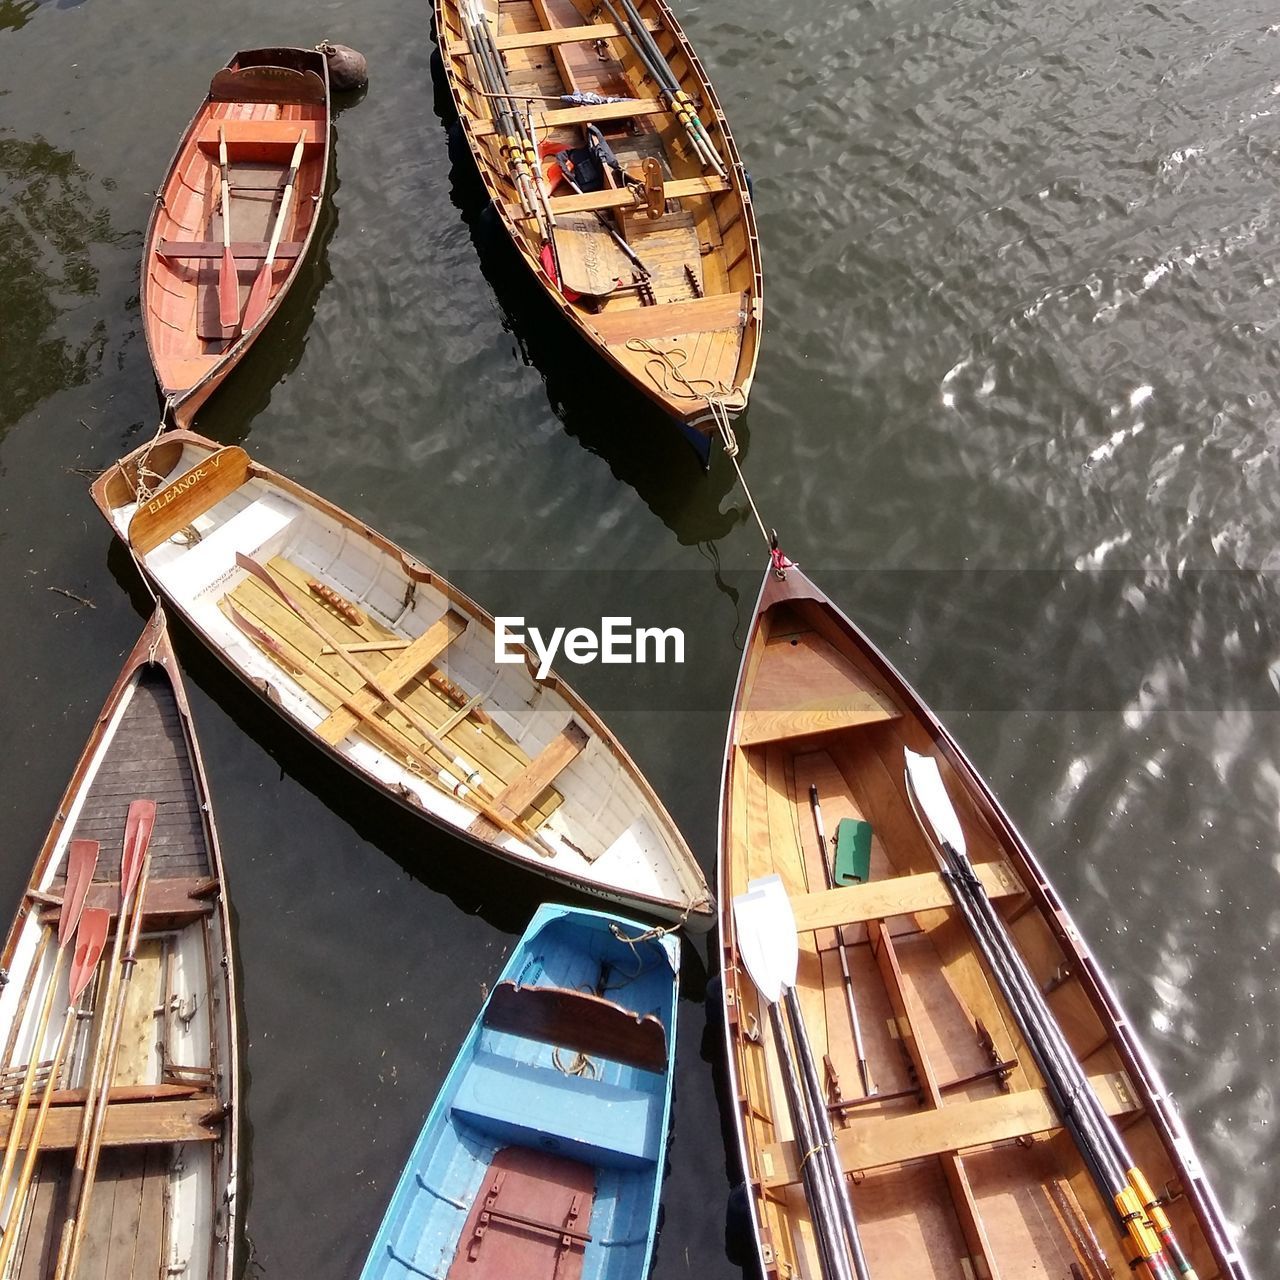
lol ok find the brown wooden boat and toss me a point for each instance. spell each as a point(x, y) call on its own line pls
point(392, 672)
point(683, 325)
point(263, 103)
point(163, 1201)
point(957, 1162)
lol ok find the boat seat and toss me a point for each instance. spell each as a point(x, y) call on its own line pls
point(896, 896)
point(601, 1124)
point(240, 249)
point(248, 139)
point(191, 571)
point(559, 117)
point(715, 312)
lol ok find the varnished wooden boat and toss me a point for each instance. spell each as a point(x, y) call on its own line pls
point(694, 331)
point(164, 1199)
point(959, 1163)
point(542, 1158)
point(263, 101)
point(528, 772)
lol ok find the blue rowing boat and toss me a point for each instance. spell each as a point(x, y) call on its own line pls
point(542, 1156)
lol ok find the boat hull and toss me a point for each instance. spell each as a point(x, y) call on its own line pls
point(937, 1148)
point(169, 1160)
point(570, 803)
point(525, 1095)
point(696, 333)
point(264, 100)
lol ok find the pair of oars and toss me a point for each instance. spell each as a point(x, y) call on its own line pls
point(134, 864)
point(655, 63)
point(228, 276)
point(469, 789)
point(769, 951)
point(1137, 1212)
point(89, 929)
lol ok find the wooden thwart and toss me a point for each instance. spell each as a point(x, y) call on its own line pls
point(875, 1141)
point(574, 1020)
point(588, 34)
point(520, 793)
point(242, 250)
point(672, 319)
point(404, 667)
point(620, 198)
point(899, 896)
point(558, 117)
point(193, 1119)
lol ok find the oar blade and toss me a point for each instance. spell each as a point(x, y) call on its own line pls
point(228, 291)
point(82, 861)
point(929, 792)
point(765, 930)
point(138, 826)
point(91, 937)
point(259, 296)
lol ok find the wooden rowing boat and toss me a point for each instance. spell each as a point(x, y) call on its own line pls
point(166, 1177)
point(686, 328)
point(959, 1164)
point(543, 1155)
point(263, 102)
point(392, 671)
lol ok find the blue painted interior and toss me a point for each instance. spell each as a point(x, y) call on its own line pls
point(507, 1090)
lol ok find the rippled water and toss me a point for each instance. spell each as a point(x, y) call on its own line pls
point(1016, 409)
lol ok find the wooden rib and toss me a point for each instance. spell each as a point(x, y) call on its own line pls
point(898, 896)
point(195, 1119)
point(520, 793)
point(403, 668)
point(875, 1141)
point(671, 319)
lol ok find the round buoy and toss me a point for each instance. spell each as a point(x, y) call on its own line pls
point(348, 69)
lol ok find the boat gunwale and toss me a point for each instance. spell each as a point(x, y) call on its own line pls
point(178, 408)
point(1157, 1104)
point(154, 651)
point(754, 325)
point(696, 913)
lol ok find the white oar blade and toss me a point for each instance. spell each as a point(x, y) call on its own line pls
point(924, 782)
point(766, 943)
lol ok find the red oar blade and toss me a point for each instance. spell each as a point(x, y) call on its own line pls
point(228, 291)
point(91, 937)
point(259, 296)
point(137, 835)
point(82, 861)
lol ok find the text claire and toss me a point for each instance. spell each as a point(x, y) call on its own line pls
point(616, 642)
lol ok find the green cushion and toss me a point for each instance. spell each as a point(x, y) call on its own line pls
point(853, 851)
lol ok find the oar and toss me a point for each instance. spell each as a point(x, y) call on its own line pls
point(82, 858)
point(768, 948)
point(384, 732)
point(260, 294)
point(752, 946)
point(867, 1087)
point(385, 692)
point(228, 278)
point(1077, 1105)
point(91, 936)
point(139, 822)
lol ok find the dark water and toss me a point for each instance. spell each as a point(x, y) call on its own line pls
point(1017, 411)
